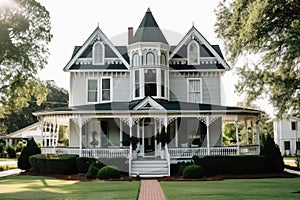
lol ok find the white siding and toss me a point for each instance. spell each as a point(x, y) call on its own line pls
point(211, 91)
point(78, 87)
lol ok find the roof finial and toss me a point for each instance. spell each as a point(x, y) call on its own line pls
point(193, 24)
point(148, 10)
point(98, 24)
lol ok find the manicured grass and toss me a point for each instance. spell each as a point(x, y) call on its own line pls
point(252, 189)
point(8, 167)
point(41, 187)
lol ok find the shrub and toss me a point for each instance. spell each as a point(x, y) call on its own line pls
point(92, 172)
point(108, 172)
point(213, 165)
point(54, 163)
point(193, 171)
point(30, 149)
point(11, 152)
point(273, 158)
point(83, 164)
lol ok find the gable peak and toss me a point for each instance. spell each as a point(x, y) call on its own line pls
point(148, 10)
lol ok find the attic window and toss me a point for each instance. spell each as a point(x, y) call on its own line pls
point(98, 53)
point(193, 53)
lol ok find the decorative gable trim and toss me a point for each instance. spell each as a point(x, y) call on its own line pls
point(97, 34)
point(194, 33)
point(148, 104)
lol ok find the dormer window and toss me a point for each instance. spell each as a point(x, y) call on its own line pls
point(98, 53)
point(150, 59)
point(193, 53)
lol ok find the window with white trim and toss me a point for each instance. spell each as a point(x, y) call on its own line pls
point(195, 90)
point(150, 82)
point(92, 90)
point(163, 83)
point(135, 60)
point(163, 59)
point(136, 83)
point(150, 58)
point(98, 53)
point(193, 52)
point(294, 126)
point(106, 89)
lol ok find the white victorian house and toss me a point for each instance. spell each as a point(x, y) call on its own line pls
point(287, 135)
point(145, 90)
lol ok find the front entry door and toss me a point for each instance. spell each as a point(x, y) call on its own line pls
point(149, 138)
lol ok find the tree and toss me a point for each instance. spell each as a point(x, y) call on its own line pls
point(273, 158)
point(30, 149)
point(15, 120)
point(266, 33)
point(24, 36)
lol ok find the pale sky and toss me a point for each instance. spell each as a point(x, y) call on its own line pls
point(74, 20)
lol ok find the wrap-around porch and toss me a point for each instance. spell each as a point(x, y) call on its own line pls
point(105, 136)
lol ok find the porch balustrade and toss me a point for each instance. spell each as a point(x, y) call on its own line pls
point(173, 152)
point(176, 153)
point(95, 153)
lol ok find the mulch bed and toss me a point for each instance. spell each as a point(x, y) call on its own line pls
point(81, 177)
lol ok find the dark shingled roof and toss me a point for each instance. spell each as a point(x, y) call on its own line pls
point(149, 31)
point(168, 105)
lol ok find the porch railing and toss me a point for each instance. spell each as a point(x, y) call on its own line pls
point(188, 153)
point(95, 153)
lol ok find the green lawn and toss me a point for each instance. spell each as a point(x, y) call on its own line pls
point(40, 187)
point(252, 189)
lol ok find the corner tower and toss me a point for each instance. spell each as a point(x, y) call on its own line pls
point(149, 60)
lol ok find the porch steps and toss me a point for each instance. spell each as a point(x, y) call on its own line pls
point(149, 168)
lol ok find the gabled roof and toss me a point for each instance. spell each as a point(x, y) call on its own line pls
point(215, 51)
point(78, 51)
point(149, 30)
point(25, 132)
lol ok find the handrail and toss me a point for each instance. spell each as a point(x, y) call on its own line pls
point(168, 158)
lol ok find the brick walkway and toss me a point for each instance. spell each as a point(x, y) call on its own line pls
point(151, 190)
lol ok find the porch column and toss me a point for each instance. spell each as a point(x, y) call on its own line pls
point(207, 135)
point(121, 133)
point(257, 133)
point(176, 132)
point(236, 122)
point(246, 129)
point(80, 136)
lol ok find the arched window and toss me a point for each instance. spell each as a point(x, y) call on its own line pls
point(193, 52)
point(98, 53)
point(135, 60)
point(150, 59)
point(163, 59)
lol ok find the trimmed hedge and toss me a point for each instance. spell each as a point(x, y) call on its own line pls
point(92, 172)
point(108, 172)
point(193, 171)
point(83, 164)
point(213, 165)
point(177, 169)
point(54, 163)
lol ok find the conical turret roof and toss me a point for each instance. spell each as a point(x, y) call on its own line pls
point(149, 31)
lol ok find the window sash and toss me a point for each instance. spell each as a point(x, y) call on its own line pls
point(98, 54)
point(106, 89)
point(92, 91)
point(194, 91)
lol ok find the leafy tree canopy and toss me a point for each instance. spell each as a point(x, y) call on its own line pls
point(24, 36)
point(266, 32)
point(15, 120)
